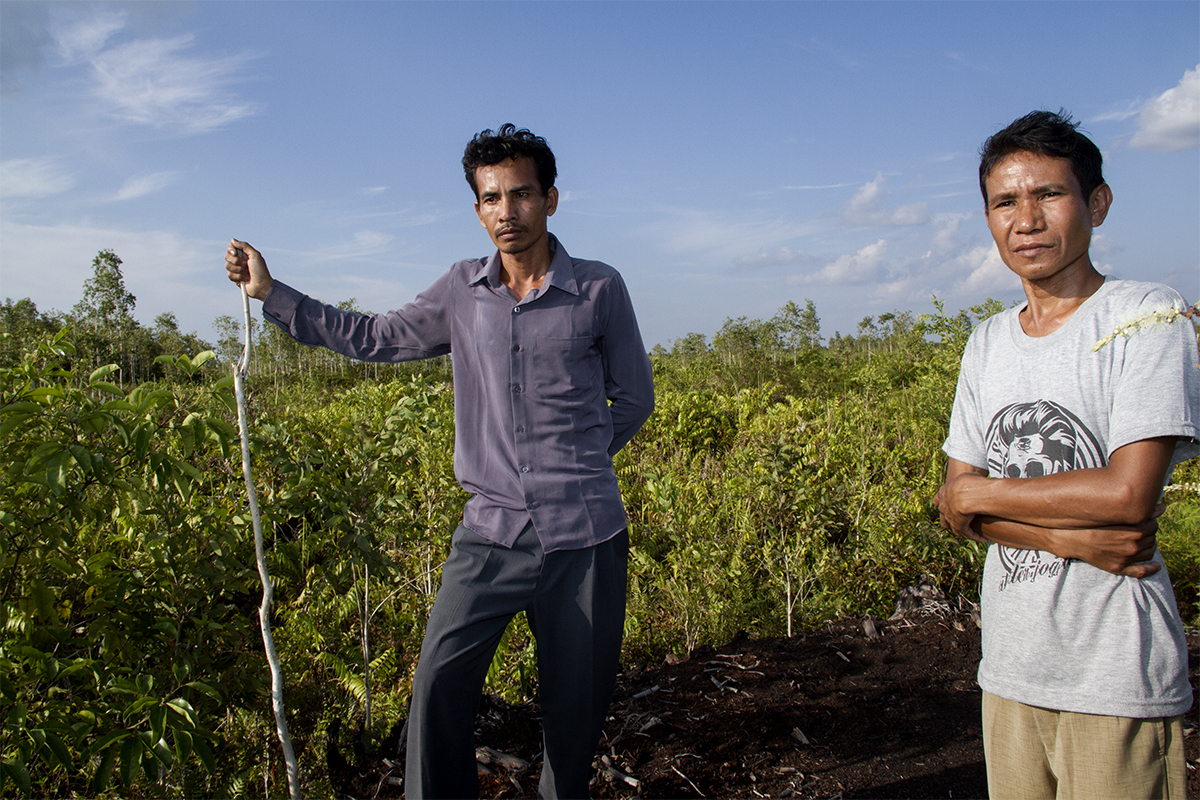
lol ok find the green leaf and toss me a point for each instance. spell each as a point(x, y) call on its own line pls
point(158, 723)
point(104, 771)
point(183, 745)
point(15, 769)
point(22, 407)
point(107, 741)
point(204, 688)
point(163, 753)
point(102, 372)
point(61, 753)
point(43, 600)
point(82, 457)
point(205, 754)
point(7, 426)
point(56, 471)
point(141, 440)
point(184, 709)
point(202, 357)
point(131, 750)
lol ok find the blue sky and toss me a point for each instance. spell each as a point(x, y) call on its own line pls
point(726, 157)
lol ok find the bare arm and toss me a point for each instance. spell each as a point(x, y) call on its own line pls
point(1122, 493)
point(1122, 549)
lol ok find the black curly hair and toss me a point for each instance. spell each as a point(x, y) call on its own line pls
point(487, 149)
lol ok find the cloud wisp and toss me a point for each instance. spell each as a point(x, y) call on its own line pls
point(33, 177)
point(154, 82)
point(142, 185)
point(867, 207)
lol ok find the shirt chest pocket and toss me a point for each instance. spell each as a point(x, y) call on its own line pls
point(565, 367)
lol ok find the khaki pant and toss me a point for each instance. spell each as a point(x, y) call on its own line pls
point(1038, 753)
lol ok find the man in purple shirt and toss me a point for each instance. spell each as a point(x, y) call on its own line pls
point(551, 380)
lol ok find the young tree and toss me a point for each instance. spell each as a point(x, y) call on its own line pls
point(800, 329)
point(105, 328)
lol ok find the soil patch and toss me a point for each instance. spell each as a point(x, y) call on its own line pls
point(854, 709)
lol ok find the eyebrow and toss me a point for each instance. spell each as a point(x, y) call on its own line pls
point(1041, 189)
point(525, 187)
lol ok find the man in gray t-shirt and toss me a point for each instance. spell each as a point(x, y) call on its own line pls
point(1057, 459)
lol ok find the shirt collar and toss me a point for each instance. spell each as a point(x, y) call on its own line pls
point(561, 274)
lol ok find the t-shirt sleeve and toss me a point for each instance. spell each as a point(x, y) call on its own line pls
point(1157, 392)
point(965, 441)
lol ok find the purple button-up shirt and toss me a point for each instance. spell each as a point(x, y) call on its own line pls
point(534, 429)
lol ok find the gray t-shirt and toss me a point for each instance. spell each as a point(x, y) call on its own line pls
point(1060, 633)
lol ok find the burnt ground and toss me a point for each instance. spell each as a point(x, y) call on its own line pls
point(830, 713)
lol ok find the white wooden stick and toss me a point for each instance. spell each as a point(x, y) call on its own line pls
point(264, 610)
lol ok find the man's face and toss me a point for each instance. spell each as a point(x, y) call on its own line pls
point(511, 204)
point(1039, 217)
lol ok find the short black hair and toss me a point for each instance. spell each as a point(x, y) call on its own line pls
point(1046, 134)
point(487, 149)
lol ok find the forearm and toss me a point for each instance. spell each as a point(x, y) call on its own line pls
point(1122, 493)
point(1120, 549)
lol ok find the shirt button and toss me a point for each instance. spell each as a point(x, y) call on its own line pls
point(516, 348)
point(524, 469)
point(516, 390)
point(516, 309)
point(520, 429)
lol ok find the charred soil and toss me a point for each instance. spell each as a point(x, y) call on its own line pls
point(854, 709)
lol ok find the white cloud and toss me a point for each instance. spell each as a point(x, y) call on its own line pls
point(988, 272)
point(717, 237)
point(1118, 114)
point(146, 184)
point(945, 236)
point(152, 82)
point(25, 177)
point(806, 187)
point(867, 208)
point(781, 255)
point(364, 243)
point(79, 39)
point(149, 81)
point(1171, 121)
point(862, 267)
point(1104, 245)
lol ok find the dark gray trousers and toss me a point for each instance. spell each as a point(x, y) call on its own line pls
point(575, 603)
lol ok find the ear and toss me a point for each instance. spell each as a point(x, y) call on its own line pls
point(551, 201)
point(1099, 204)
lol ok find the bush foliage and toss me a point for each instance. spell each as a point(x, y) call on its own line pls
point(781, 482)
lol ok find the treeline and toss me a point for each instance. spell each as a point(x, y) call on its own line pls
point(102, 330)
point(783, 480)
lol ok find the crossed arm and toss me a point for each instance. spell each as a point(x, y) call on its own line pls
point(1104, 516)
